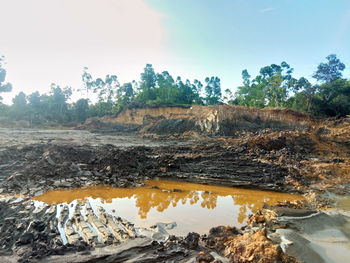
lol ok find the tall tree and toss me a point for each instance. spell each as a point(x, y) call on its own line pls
point(197, 87)
point(19, 107)
point(329, 71)
point(106, 89)
point(125, 95)
point(278, 79)
point(4, 86)
point(212, 91)
point(81, 108)
point(185, 92)
point(147, 84)
point(87, 81)
point(303, 97)
point(270, 88)
point(36, 108)
point(166, 88)
point(57, 102)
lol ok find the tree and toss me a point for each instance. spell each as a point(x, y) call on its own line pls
point(333, 98)
point(185, 93)
point(212, 91)
point(278, 81)
point(106, 89)
point(329, 71)
point(148, 77)
point(125, 95)
point(4, 87)
point(57, 103)
point(252, 93)
point(228, 97)
point(88, 81)
point(197, 87)
point(270, 88)
point(19, 107)
point(167, 90)
point(147, 85)
point(304, 93)
point(81, 108)
point(36, 108)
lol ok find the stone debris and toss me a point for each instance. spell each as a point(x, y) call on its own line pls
point(294, 153)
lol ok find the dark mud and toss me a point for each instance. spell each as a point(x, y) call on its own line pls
point(40, 167)
point(279, 161)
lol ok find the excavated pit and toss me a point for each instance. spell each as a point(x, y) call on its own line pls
point(271, 149)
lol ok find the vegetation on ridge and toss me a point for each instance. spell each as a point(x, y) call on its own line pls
point(274, 86)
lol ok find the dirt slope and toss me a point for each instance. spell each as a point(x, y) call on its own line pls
point(214, 120)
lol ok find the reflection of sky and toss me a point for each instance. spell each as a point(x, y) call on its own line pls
point(188, 217)
point(193, 207)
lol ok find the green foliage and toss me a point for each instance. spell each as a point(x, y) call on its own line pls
point(269, 89)
point(81, 109)
point(252, 93)
point(101, 108)
point(212, 91)
point(4, 87)
point(333, 98)
point(147, 85)
point(329, 71)
point(274, 86)
point(161, 88)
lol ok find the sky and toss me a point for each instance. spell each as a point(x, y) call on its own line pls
point(46, 41)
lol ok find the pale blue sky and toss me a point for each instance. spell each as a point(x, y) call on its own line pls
point(51, 41)
point(223, 37)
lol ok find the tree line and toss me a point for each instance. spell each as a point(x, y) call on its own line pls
point(274, 86)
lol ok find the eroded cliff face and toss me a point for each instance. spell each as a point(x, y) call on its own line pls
point(214, 120)
point(140, 115)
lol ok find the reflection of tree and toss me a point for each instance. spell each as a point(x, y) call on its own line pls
point(147, 197)
point(242, 215)
point(247, 204)
point(154, 198)
point(209, 200)
point(161, 200)
point(253, 203)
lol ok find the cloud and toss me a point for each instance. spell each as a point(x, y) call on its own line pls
point(265, 10)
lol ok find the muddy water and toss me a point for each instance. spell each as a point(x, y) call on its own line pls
point(344, 203)
point(194, 207)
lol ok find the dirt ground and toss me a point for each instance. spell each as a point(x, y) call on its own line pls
point(309, 159)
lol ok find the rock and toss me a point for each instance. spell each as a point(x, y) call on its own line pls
point(49, 160)
point(62, 184)
point(255, 248)
point(191, 240)
point(85, 173)
point(293, 212)
point(204, 257)
point(218, 236)
point(26, 238)
point(39, 226)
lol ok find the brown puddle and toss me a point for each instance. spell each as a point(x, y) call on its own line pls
point(344, 203)
point(194, 207)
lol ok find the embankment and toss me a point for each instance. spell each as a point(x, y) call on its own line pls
point(211, 120)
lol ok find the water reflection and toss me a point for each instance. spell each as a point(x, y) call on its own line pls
point(163, 195)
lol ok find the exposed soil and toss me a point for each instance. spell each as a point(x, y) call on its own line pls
point(270, 149)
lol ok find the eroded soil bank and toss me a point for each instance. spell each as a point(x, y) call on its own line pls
point(263, 151)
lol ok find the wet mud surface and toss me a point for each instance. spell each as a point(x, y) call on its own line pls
point(33, 162)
